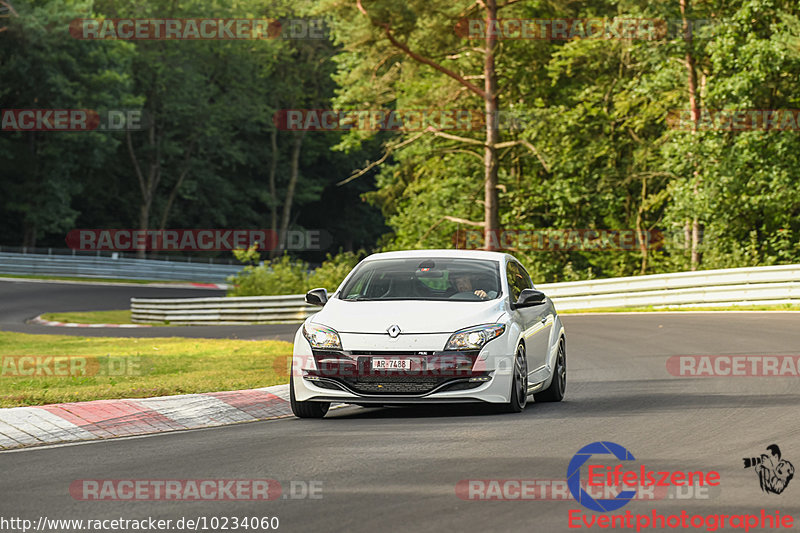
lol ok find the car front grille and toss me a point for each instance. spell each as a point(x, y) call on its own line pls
point(434, 371)
point(394, 387)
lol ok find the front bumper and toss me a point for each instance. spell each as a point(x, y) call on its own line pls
point(494, 391)
point(434, 376)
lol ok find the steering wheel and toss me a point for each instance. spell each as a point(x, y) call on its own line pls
point(388, 289)
point(466, 296)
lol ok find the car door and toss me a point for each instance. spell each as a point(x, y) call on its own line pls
point(526, 317)
point(536, 322)
point(545, 316)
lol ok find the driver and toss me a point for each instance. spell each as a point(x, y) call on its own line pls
point(464, 283)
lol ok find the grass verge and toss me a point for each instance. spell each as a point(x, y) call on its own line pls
point(106, 367)
point(121, 316)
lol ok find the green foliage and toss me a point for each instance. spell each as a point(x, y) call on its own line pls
point(594, 150)
point(333, 270)
point(289, 276)
point(249, 256)
point(204, 159)
point(283, 276)
point(605, 156)
point(42, 66)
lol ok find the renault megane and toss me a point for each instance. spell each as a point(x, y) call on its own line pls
point(435, 326)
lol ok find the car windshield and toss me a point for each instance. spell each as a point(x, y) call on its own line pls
point(424, 279)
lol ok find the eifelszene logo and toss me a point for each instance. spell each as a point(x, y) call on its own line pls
point(774, 473)
point(574, 476)
point(639, 475)
point(599, 475)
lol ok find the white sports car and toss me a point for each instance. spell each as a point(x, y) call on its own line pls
point(442, 326)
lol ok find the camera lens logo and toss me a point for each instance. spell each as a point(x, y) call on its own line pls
point(774, 473)
point(574, 476)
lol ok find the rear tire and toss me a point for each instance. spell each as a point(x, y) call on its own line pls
point(555, 392)
point(519, 383)
point(306, 409)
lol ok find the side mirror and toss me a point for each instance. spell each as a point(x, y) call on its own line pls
point(317, 296)
point(530, 298)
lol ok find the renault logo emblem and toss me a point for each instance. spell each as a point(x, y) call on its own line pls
point(393, 331)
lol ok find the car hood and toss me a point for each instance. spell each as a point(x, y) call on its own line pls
point(412, 316)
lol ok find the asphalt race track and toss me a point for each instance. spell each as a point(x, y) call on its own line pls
point(390, 469)
point(21, 301)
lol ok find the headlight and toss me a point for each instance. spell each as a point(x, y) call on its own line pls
point(322, 337)
point(474, 338)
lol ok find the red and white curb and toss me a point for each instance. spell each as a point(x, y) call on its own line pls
point(42, 322)
point(222, 286)
point(104, 419)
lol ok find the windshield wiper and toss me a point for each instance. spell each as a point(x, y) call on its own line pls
point(360, 299)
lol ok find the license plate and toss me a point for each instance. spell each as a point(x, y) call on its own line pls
point(391, 364)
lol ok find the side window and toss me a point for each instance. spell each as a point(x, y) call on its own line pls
point(357, 289)
point(528, 281)
point(518, 280)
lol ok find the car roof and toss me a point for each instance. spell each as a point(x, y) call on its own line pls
point(460, 254)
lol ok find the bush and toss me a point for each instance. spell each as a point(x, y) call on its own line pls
point(290, 276)
point(333, 270)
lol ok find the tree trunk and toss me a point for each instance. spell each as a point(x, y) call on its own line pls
point(273, 195)
point(687, 235)
point(174, 193)
point(29, 222)
point(695, 244)
point(294, 172)
point(144, 224)
point(148, 184)
point(29, 234)
point(491, 218)
point(694, 106)
point(644, 238)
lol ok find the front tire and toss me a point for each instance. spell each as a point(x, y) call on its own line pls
point(306, 409)
point(555, 392)
point(519, 383)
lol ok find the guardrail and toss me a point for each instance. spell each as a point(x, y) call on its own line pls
point(111, 267)
point(288, 309)
point(769, 285)
point(709, 288)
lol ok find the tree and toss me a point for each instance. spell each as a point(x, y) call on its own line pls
point(43, 67)
point(379, 47)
